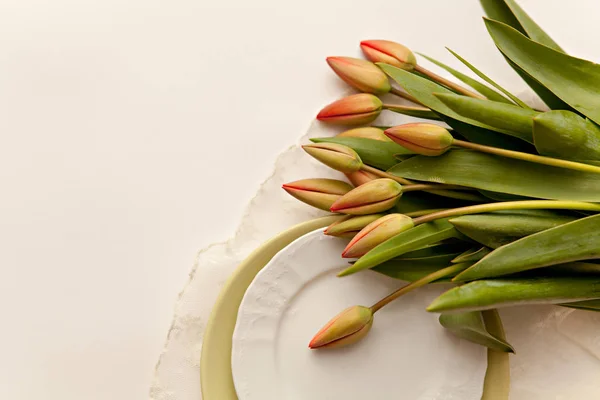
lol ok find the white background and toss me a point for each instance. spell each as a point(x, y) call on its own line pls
point(133, 133)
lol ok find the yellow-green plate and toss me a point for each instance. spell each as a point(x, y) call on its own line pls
point(215, 362)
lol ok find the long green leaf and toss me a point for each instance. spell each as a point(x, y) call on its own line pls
point(418, 112)
point(510, 13)
point(507, 117)
point(589, 305)
point(471, 255)
point(575, 81)
point(498, 174)
point(412, 270)
point(423, 90)
point(435, 250)
point(573, 241)
point(412, 239)
point(495, 293)
point(376, 153)
point(475, 84)
point(470, 326)
point(417, 200)
point(565, 134)
point(489, 80)
point(497, 229)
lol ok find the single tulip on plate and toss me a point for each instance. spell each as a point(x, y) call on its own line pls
point(367, 132)
point(388, 52)
point(376, 233)
point(346, 328)
point(422, 138)
point(372, 197)
point(361, 177)
point(337, 156)
point(357, 109)
point(360, 74)
point(319, 193)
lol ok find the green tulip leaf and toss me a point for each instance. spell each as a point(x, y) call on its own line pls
point(497, 229)
point(503, 175)
point(415, 269)
point(573, 241)
point(487, 137)
point(418, 112)
point(564, 134)
point(435, 250)
point(475, 84)
point(410, 240)
point(376, 153)
point(423, 90)
point(471, 255)
point(587, 305)
point(417, 201)
point(470, 326)
point(495, 293)
point(510, 13)
point(489, 80)
point(575, 81)
point(506, 117)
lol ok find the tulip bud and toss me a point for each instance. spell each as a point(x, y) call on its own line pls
point(337, 156)
point(346, 328)
point(372, 197)
point(389, 52)
point(361, 177)
point(357, 109)
point(376, 233)
point(360, 74)
point(367, 132)
point(350, 225)
point(319, 193)
point(422, 138)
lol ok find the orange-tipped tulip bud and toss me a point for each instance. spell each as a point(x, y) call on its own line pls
point(422, 138)
point(376, 233)
point(346, 328)
point(319, 193)
point(389, 52)
point(361, 177)
point(357, 109)
point(337, 156)
point(372, 197)
point(367, 132)
point(350, 225)
point(360, 74)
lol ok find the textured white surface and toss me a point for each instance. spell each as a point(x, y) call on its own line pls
point(298, 292)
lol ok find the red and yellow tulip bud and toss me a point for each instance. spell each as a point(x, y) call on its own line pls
point(361, 177)
point(422, 138)
point(376, 233)
point(319, 193)
point(368, 132)
point(346, 328)
point(389, 52)
point(337, 156)
point(358, 109)
point(360, 74)
point(372, 197)
point(350, 225)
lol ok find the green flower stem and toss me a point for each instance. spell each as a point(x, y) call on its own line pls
point(554, 162)
point(447, 83)
point(423, 212)
point(440, 192)
point(442, 273)
point(404, 95)
point(509, 205)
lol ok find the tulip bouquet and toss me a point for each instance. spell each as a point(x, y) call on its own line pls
point(495, 196)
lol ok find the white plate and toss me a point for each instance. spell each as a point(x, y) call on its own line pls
point(406, 354)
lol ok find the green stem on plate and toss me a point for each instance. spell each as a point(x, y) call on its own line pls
point(554, 162)
point(423, 212)
point(449, 84)
point(509, 205)
point(442, 273)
